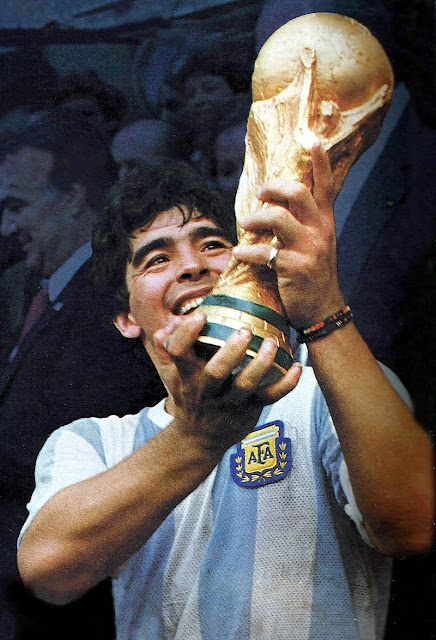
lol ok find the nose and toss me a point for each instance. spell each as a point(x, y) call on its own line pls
point(198, 97)
point(9, 223)
point(192, 266)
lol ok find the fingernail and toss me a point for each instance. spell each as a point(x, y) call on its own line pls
point(198, 316)
point(269, 345)
point(318, 145)
point(245, 333)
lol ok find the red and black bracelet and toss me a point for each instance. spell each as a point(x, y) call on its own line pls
point(326, 326)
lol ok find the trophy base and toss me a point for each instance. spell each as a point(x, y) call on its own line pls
point(226, 314)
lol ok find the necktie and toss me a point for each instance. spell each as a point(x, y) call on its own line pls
point(36, 308)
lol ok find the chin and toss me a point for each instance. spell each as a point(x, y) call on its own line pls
point(33, 262)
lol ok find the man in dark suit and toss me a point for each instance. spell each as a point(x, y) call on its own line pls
point(390, 227)
point(69, 364)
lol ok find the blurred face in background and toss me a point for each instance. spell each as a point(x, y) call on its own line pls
point(33, 211)
point(154, 142)
point(206, 98)
point(88, 109)
point(229, 160)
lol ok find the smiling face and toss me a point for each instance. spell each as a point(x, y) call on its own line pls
point(173, 266)
point(206, 91)
point(207, 97)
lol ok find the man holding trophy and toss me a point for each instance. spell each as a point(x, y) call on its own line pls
point(261, 498)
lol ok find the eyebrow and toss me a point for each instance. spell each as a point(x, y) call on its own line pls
point(9, 200)
point(166, 242)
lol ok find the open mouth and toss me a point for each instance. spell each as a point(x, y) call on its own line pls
point(189, 306)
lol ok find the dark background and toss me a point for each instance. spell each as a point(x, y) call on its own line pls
point(123, 41)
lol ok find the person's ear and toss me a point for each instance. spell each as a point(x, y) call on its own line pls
point(127, 326)
point(75, 197)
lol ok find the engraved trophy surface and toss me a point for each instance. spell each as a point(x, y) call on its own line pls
point(321, 76)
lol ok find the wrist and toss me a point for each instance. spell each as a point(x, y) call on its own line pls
point(203, 447)
point(312, 307)
point(325, 327)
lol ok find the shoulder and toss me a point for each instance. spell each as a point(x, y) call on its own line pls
point(111, 437)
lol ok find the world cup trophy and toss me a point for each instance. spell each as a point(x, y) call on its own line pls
point(321, 76)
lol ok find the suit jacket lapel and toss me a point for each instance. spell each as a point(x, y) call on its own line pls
point(44, 323)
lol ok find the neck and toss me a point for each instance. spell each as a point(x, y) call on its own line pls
point(61, 255)
point(167, 372)
point(76, 233)
point(170, 405)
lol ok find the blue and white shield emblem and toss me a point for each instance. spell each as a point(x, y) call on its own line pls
point(264, 456)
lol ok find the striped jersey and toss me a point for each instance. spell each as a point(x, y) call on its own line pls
point(270, 545)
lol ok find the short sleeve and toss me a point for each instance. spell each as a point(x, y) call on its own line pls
point(70, 455)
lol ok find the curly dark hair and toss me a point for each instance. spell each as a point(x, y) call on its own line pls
point(136, 200)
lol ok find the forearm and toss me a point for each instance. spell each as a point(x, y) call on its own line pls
point(88, 530)
point(389, 457)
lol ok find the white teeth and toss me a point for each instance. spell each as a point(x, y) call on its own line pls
point(192, 304)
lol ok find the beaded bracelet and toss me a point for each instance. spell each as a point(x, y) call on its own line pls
point(326, 326)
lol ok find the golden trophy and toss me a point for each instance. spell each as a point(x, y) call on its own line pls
point(321, 76)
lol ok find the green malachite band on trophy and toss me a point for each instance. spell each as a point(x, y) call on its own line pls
point(258, 310)
point(221, 333)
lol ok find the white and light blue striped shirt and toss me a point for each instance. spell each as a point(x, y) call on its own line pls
point(288, 560)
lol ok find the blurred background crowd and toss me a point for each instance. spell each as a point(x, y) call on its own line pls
point(93, 88)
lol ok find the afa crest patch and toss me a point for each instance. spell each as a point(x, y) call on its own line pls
point(264, 456)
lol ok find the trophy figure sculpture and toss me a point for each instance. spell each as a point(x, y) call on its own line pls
point(321, 77)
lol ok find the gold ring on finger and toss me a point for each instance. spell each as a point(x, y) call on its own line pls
point(275, 242)
point(272, 256)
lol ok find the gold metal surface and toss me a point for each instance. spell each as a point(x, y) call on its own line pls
point(320, 76)
point(236, 319)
